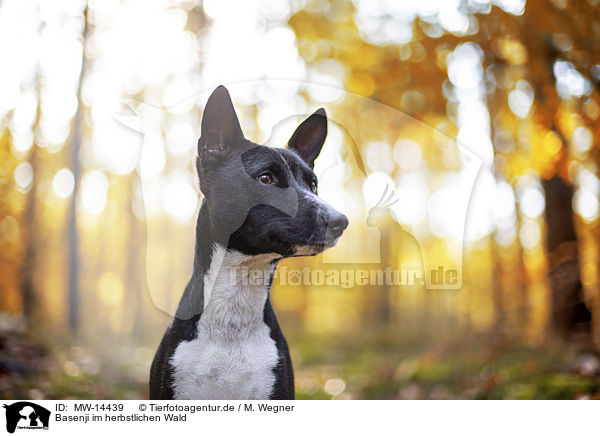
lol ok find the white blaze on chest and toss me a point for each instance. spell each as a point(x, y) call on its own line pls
point(233, 356)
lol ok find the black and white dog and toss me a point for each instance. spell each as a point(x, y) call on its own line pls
point(260, 205)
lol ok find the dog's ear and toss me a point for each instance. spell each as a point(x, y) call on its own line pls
point(220, 125)
point(309, 137)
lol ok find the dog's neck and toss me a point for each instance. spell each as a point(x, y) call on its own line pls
point(228, 288)
point(236, 287)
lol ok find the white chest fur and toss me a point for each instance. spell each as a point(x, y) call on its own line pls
point(233, 356)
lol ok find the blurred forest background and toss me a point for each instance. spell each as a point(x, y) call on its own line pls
point(515, 82)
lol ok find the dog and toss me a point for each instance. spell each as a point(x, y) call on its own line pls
point(260, 205)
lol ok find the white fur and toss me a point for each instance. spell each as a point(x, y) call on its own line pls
point(233, 356)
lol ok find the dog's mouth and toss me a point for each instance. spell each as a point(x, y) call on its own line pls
point(315, 247)
point(330, 242)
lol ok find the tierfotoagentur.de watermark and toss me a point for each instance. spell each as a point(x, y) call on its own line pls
point(344, 278)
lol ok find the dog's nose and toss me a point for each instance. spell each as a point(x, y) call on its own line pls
point(337, 223)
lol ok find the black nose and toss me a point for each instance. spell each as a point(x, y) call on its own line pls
point(337, 224)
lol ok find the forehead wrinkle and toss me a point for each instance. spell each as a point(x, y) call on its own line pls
point(301, 169)
point(285, 162)
point(289, 164)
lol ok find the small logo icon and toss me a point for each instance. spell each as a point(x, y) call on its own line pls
point(26, 415)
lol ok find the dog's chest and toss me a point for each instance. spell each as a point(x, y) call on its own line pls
point(233, 355)
point(203, 369)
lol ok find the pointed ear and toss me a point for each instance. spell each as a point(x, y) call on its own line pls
point(220, 125)
point(309, 137)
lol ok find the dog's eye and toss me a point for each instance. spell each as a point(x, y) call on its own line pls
point(313, 187)
point(265, 178)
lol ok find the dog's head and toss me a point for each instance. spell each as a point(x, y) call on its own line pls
point(262, 199)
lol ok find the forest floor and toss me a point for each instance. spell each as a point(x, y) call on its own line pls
point(340, 368)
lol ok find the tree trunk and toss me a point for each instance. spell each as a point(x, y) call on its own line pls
point(76, 168)
point(28, 267)
point(570, 315)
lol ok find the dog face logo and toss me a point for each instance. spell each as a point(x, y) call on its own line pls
point(26, 415)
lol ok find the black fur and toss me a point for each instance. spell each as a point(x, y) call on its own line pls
point(242, 212)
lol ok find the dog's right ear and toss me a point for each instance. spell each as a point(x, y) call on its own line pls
point(220, 125)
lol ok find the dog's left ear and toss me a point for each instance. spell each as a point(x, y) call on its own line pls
point(309, 137)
